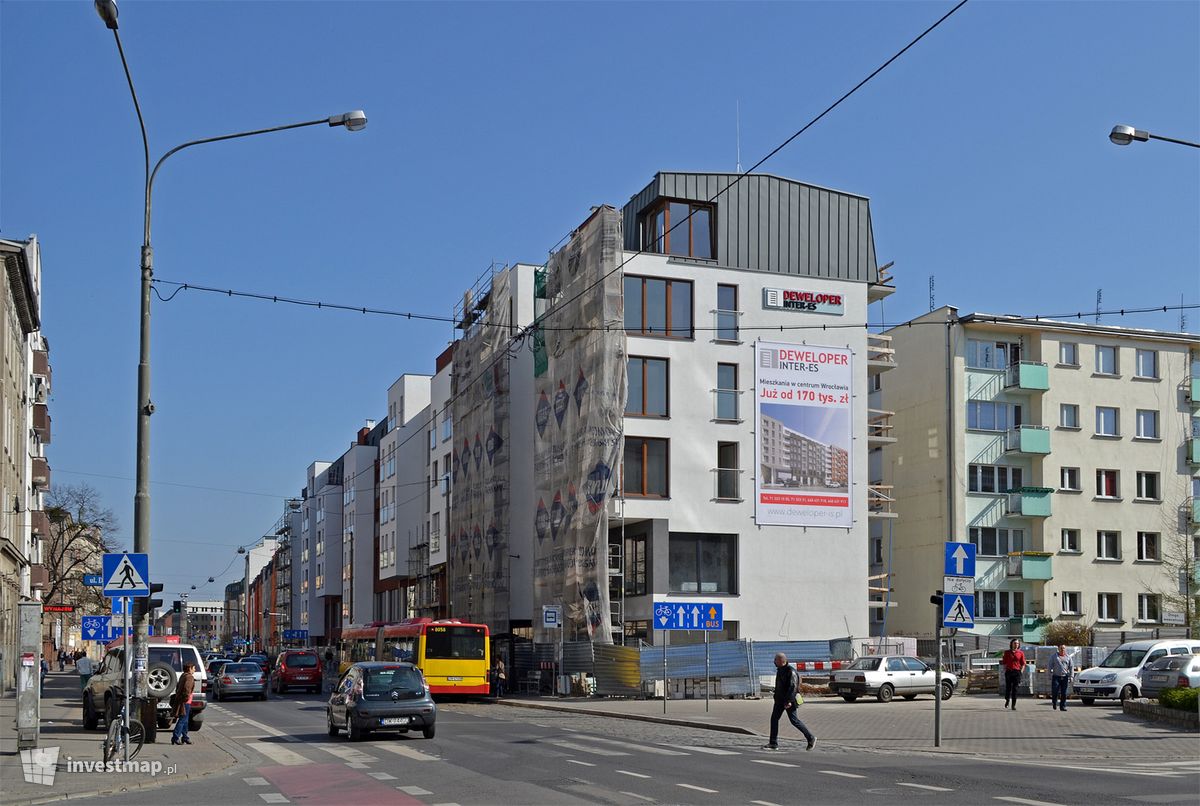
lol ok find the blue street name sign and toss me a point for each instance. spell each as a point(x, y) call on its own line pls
point(958, 610)
point(295, 635)
point(116, 631)
point(960, 560)
point(126, 574)
point(93, 580)
point(689, 616)
point(95, 628)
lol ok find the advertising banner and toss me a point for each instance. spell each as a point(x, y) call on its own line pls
point(803, 440)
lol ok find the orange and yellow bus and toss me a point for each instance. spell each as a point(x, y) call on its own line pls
point(454, 656)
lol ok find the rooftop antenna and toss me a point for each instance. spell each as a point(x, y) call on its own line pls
point(931, 305)
point(1182, 315)
point(1099, 296)
point(738, 121)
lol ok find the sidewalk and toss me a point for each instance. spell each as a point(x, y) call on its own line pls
point(975, 725)
point(62, 727)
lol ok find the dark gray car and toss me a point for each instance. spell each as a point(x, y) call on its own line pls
point(240, 680)
point(381, 696)
point(1173, 671)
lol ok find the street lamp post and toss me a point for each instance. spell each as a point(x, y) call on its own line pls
point(1124, 135)
point(353, 121)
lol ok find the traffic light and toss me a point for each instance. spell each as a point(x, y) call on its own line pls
point(936, 599)
point(177, 607)
point(155, 587)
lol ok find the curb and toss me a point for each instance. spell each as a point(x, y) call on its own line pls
point(662, 720)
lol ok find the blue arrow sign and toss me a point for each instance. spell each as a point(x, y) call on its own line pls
point(95, 628)
point(689, 616)
point(960, 560)
point(295, 635)
point(958, 610)
point(126, 574)
point(93, 580)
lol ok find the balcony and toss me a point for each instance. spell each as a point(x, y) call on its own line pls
point(725, 324)
point(1032, 439)
point(879, 427)
point(41, 364)
point(1029, 502)
point(41, 422)
point(1192, 390)
point(40, 475)
point(39, 523)
point(1029, 565)
point(1192, 447)
point(1192, 508)
point(880, 355)
point(1027, 376)
point(880, 503)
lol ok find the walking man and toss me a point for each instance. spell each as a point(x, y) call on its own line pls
point(182, 705)
point(787, 685)
point(84, 666)
point(1060, 678)
point(1013, 664)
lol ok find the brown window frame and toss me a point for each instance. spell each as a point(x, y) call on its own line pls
point(642, 412)
point(669, 332)
point(645, 457)
point(663, 205)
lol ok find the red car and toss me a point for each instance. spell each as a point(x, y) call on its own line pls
point(297, 668)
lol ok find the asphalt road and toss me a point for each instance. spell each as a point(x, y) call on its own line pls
point(489, 754)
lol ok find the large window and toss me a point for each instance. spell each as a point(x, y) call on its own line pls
point(658, 307)
point(993, 478)
point(999, 604)
point(1106, 360)
point(727, 471)
point(727, 313)
point(678, 228)
point(1148, 547)
point(648, 387)
point(1146, 364)
point(703, 563)
point(1147, 424)
point(1108, 545)
point(992, 542)
point(1147, 486)
point(1108, 421)
point(637, 577)
point(727, 392)
point(984, 415)
point(645, 468)
point(992, 354)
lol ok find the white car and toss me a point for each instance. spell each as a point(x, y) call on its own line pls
point(888, 676)
point(1118, 677)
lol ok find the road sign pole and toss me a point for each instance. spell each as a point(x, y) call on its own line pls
point(664, 640)
point(937, 678)
point(125, 640)
point(706, 671)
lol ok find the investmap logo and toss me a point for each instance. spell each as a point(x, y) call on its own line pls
point(39, 765)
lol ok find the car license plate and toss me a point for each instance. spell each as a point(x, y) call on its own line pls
point(1158, 677)
point(454, 678)
point(304, 677)
point(1082, 690)
point(394, 720)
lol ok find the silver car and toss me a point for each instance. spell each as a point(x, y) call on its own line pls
point(888, 676)
point(1173, 671)
point(240, 680)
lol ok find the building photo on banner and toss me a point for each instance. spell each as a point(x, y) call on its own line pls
point(803, 399)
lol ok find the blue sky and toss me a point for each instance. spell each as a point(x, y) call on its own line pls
point(493, 128)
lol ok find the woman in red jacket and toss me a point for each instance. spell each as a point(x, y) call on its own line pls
point(1013, 664)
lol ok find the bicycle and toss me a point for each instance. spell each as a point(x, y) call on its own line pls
point(115, 741)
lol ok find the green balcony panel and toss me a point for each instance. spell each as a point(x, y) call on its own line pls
point(1193, 451)
point(1034, 377)
point(1036, 566)
point(1030, 502)
point(1194, 391)
point(1194, 511)
point(1029, 439)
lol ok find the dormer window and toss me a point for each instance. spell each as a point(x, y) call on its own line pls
point(691, 238)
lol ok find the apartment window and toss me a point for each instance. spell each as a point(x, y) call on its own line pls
point(1148, 547)
point(727, 391)
point(877, 553)
point(1146, 364)
point(636, 567)
point(1108, 545)
point(1147, 423)
point(993, 542)
point(727, 313)
point(1068, 415)
point(1071, 542)
point(433, 436)
point(999, 604)
point(678, 228)
point(1107, 484)
point(1069, 479)
point(984, 415)
point(658, 307)
point(1106, 360)
point(1068, 354)
point(727, 471)
point(702, 563)
point(993, 478)
point(1107, 421)
point(992, 354)
point(645, 467)
point(1108, 607)
point(1149, 607)
point(875, 382)
point(1070, 603)
point(447, 426)
point(1147, 486)
point(648, 387)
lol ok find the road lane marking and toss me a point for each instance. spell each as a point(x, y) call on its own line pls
point(662, 751)
point(698, 788)
point(712, 751)
point(279, 754)
point(407, 752)
point(414, 790)
point(772, 763)
point(1026, 801)
point(634, 774)
point(580, 763)
point(347, 754)
point(763, 803)
point(270, 731)
point(256, 781)
point(583, 748)
point(636, 795)
point(382, 776)
point(925, 786)
point(273, 797)
point(843, 774)
point(357, 765)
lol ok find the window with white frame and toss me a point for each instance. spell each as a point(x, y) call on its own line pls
point(1068, 354)
point(985, 415)
point(1068, 479)
point(1147, 424)
point(1148, 546)
point(1071, 542)
point(1106, 360)
point(999, 604)
point(1108, 607)
point(1070, 603)
point(1146, 364)
point(992, 354)
point(1108, 545)
point(1147, 486)
point(993, 478)
point(1068, 415)
point(1108, 421)
point(991, 541)
point(1149, 607)
point(1107, 484)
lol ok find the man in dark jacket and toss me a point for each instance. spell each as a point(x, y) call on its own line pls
point(787, 683)
point(182, 702)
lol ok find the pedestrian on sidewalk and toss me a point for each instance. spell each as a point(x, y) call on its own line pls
point(1061, 669)
point(787, 686)
point(329, 671)
point(1013, 665)
point(83, 665)
point(45, 671)
point(499, 677)
point(181, 705)
point(62, 660)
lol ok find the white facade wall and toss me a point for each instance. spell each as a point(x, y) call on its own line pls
point(401, 452)
point(358, 534)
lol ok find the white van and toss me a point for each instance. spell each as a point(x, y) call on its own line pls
point(1118, 677)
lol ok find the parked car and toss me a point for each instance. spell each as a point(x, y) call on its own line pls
point(105, 689)
point(216, 665)
point(1117, 677)
point(260, 659)
point(1173, 671)
point(240, 679)
point(381, 696)
point(297, 668)
point(887, 676)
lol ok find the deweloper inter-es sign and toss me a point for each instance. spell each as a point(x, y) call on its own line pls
point(793, 299)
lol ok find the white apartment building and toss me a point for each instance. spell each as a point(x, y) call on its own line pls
point(360, 518)
point(321, 552)
point(1066, 452)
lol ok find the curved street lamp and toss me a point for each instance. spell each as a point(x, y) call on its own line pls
point(352, 121)
point(1124, 135)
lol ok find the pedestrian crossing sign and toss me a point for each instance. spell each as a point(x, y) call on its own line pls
point(126, 574)
point(958, 610)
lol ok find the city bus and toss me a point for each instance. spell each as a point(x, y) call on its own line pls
point(454, 656)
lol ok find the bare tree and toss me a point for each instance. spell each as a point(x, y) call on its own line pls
point(1180, 589)
point(81, 530)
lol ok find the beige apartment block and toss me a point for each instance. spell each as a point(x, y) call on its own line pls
point(1068, 453)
